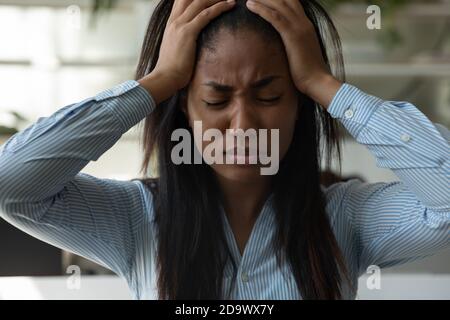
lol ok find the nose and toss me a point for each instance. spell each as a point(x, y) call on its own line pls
point(244, 116)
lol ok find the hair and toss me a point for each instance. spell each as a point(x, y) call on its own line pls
point(192, 249)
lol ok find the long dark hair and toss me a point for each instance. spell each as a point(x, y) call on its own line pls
point(192, 248)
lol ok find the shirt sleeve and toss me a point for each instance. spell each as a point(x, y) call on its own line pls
point(43, 193)
point(387, 224)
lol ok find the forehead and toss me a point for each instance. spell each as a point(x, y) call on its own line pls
point(239, 58)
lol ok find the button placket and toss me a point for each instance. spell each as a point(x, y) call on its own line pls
point(244, 277)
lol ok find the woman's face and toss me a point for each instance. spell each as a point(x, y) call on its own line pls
point(225, 77)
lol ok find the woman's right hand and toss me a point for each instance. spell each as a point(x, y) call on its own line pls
point(177, 52)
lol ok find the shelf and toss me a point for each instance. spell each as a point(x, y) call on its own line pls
point(394, 286)
point(430, 10)
point(399, 69)
point(100, 63)
point(60, 3)
point(353, 69)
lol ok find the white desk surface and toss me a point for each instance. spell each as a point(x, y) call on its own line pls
point(393, 286)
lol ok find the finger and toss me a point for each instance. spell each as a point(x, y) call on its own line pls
point(280, 6)
point(272, 16)
point(296, 6)
point(302, 17)
point(206, 15)
point(178, 7)
point(195, 8)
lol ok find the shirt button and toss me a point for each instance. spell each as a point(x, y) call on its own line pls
point(348, 113)
point(405, 137)
point(244, 277)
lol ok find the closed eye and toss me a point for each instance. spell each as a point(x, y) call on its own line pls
point(270, 100)
point(215, 104)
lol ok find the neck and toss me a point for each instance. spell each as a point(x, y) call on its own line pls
point(243, 201)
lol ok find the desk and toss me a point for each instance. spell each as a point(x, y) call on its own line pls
point(393, 286)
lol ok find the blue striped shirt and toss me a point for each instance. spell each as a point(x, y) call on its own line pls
point(43, 193)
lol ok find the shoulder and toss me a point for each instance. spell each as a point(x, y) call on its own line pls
point(152, 184)
point(338, 193)
point(148, 188)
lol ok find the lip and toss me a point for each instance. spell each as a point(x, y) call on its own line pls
point(250, 157)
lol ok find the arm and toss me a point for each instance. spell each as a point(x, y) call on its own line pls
point(385, 223)
point(393, 223)
point(43, 193)
point(41, 189)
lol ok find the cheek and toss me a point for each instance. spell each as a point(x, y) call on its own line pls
point(208, 118)
point(208, 121)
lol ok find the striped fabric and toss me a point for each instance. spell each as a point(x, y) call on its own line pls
point(43, 193)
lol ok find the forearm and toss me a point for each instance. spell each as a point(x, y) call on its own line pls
point(402, 139)
point(54, 149)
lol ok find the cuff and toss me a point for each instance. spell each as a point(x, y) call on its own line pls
point(353, 107)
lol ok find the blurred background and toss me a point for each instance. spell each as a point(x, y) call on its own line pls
point(56, 52)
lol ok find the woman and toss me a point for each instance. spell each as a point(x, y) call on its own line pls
point(208, 231)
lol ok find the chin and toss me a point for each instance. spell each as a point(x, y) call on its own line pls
point(238, 173)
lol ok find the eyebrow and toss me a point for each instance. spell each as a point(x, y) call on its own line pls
point(256, 85)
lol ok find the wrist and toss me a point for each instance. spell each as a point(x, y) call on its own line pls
point(322, 89)
point(160, 85)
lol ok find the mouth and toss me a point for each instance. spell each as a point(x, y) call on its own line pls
point(241, 156)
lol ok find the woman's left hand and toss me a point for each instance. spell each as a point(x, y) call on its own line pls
point(308, 69)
